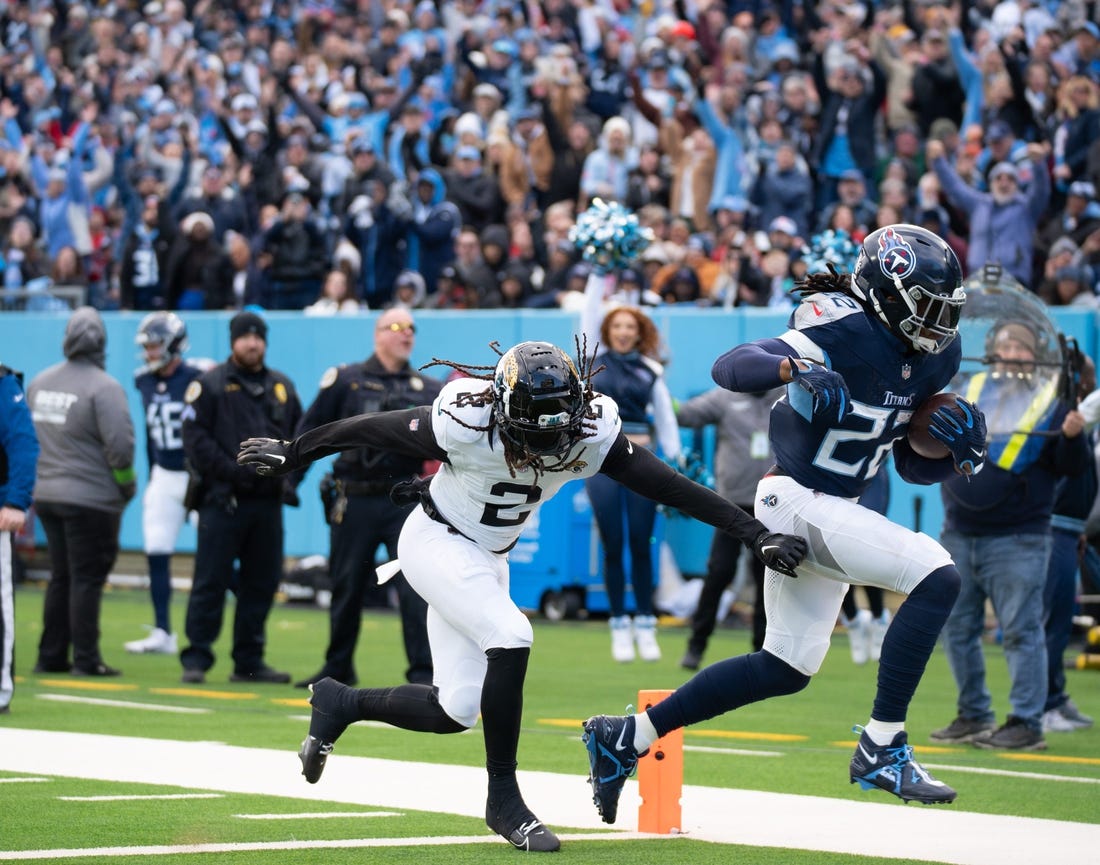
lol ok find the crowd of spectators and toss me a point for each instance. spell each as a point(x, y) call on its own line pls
point(335, 154)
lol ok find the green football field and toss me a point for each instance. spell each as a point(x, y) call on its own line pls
point(796, 745)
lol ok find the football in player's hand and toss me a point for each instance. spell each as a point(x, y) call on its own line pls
point(920, 440)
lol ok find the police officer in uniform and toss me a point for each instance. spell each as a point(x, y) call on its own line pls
point(360, 513)
point(240, 513)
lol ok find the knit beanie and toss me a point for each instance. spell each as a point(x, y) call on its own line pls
point(245, 323)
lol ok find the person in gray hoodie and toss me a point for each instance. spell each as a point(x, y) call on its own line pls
point(85, 479)
point(742, 456)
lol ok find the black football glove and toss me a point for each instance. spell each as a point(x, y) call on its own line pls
point(780, 552)
point(827, 390)
point(963, 431)
point(268, 456)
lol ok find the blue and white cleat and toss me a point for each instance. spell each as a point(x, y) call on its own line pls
point(611, 760)
point(893, 769)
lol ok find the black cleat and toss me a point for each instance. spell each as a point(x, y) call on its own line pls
point(893, 769)
point(521, 828)
point(334, 706)
point(99, 669)
point(313, 755)
point(611, 760)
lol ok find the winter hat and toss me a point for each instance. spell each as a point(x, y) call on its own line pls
point(244, 323)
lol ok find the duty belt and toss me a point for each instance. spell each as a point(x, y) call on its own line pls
point(367, 488)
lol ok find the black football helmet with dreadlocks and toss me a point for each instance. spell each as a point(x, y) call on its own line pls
point(539, 400)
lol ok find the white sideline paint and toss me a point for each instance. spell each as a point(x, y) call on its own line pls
point(268, 846)
point(125, 704)
point(319, 815)
point(945, 833)
point(141, 798)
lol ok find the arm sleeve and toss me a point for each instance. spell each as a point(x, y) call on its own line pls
point(200, 443)
point(699, 411)
point(408, 432)
point(19, 443)
point(664, 420)
point(640, 470)
point(916, 469)
point(116, 430)
point(591, 312)
point(751, 367)
point(1071, 455)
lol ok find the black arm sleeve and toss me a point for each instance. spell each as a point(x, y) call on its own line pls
point(407, 431)
point(915, 469)
point(638, 469)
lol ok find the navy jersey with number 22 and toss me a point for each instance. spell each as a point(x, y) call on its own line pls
point(886, 381)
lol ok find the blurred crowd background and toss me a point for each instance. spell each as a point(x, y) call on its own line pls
point(330, 156)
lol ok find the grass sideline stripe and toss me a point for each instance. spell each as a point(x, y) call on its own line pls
point(200, 692)
point(23, 780)
point(732, 752)
point(85, 685)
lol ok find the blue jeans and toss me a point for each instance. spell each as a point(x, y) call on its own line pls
point(1009, 570)
point(1059, 599)
point(611, 501)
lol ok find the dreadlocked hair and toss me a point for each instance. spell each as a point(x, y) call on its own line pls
point(832, 282)
point(516, 459)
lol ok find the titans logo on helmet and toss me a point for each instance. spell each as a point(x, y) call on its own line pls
point(895, 255)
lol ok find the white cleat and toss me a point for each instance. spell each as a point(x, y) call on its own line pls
point(159, 642)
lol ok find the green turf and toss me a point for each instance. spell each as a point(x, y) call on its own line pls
point(571, 677)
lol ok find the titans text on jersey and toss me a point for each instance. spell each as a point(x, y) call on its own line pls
point(886, 380)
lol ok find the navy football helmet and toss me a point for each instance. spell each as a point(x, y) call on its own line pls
point(913, 280)
point(162, 337)
point(538, 400)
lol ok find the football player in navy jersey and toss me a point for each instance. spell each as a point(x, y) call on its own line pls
point(861, 352)
point(506, 445)
point(162, 381)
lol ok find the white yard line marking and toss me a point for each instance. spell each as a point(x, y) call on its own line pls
point(320, 815)
point(948, 835)
point(341, 844)
point(141, 798)
point(1038, 776)
point(124, 704)
point(22, 780)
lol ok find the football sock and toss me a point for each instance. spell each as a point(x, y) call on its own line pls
point(910, 640)
point(645, 734)
point(874, 600)
point(724, 686)
point(848, 606)
point(160, 588)
point(883, 732)
point(410, 707)
point(502, 712)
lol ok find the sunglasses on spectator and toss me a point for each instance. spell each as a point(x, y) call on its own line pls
point(399, 326)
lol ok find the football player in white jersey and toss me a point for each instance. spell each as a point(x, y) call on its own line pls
point(506, 445)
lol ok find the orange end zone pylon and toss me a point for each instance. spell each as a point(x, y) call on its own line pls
point(660, 776)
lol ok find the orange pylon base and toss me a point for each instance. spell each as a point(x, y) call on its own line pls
point(660, 776)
